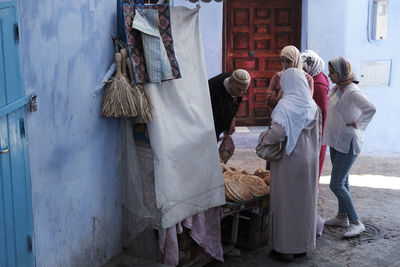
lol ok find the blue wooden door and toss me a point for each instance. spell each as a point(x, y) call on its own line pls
point(16, 227)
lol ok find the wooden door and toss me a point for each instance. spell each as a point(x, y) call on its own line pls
point(16, 227)
point(255, 31)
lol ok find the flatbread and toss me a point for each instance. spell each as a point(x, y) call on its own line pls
point(230, 196)
point(224, 167)
point(252, 180)
point(259, 191)
point(239, 190)
point(229, 175)
point(233, 194)
point(267, 178)
point(262, 173)
point(255, 184)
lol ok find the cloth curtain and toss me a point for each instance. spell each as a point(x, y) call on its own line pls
point(188, 177)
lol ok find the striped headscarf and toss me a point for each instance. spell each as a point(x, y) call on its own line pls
point(343, 68)
point(292, 53)
point(312, 63)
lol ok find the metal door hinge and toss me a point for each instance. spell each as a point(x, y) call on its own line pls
point(16, 31)
point(29, 243)
point(32, 103)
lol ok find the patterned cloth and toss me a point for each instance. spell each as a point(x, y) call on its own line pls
point(312, 63)
point(135, 41)
point(158, 66)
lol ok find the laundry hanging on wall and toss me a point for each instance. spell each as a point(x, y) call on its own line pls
point(150, 51)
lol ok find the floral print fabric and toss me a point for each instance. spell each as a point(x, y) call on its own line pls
point(135, 42)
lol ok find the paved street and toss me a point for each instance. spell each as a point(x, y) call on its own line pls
point(377, 198)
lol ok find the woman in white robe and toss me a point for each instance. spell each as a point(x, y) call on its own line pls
point(296, 121)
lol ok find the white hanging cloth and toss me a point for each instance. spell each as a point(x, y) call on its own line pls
point(188, 177)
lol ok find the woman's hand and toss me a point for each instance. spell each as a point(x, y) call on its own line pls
point(352, 124)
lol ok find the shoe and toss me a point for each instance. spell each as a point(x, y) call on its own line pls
point(354, 229)
point(341, 222)
point(281, 256)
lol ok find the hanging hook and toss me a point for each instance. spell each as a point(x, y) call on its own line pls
point(140, 6)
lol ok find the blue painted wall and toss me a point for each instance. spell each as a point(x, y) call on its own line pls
point(339, 28)
point(65, 51)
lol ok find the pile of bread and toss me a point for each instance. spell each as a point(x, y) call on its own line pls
point(241, 186)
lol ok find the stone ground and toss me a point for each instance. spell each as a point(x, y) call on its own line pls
point(375, 187)
point(377, 207)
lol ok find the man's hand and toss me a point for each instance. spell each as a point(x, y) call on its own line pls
point(231, 127)
point(352, 124)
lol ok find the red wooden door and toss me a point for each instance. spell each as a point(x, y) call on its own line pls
point(255, 31)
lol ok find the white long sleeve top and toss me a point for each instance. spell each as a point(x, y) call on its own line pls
point(347, 107)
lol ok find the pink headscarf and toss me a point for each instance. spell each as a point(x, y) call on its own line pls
point(292, 53)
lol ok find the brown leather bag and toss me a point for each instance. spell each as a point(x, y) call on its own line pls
point(226, 148)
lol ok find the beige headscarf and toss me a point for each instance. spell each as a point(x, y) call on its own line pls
point(292, 53)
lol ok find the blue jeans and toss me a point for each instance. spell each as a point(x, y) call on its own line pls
point(341, 165)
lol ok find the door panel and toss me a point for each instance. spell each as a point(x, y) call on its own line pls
point(255, 31)
point(16, 227)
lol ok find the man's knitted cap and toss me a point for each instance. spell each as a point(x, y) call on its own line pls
point(241, 77)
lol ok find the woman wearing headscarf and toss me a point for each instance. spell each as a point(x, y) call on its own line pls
point(349, 113)
point(314, 65)
point(290, 58)
point(294, 177)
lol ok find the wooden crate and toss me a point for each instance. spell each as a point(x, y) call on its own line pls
point(252, 230)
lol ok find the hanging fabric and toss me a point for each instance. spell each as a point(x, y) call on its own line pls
point(158, 67)
point(149, 61)
point(188, 177)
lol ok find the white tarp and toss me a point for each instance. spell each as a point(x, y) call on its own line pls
point(188, 177)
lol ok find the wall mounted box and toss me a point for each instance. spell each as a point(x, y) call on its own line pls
point(375, 73)
point(379, 19)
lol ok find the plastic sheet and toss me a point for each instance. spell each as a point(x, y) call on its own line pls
point(138, 197)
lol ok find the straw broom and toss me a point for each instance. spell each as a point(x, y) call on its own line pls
point(118, 100)
point(145, 113)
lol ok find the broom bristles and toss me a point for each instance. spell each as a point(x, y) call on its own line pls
point(145, 112)
point(118, 100)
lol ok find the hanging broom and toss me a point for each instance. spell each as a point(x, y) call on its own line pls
point(145, 112)
point(118, 100)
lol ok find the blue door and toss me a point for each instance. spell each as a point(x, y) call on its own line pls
point(16, 227)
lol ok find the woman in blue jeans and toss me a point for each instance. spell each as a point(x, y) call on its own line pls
point(349, 113)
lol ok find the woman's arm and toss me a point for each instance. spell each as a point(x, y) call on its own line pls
point(274, 135)
point(310, 81)
point(367, 111)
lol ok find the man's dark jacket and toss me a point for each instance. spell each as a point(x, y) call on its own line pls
point(223, 104)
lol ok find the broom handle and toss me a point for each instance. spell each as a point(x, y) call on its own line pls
point(130, 70)
point(123, 55)
point(118, 63)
